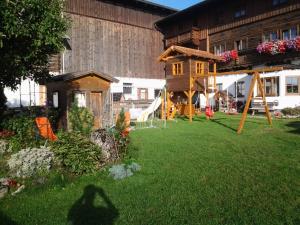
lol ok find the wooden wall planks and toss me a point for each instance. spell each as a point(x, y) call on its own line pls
point(114, 48)
point(108, 10)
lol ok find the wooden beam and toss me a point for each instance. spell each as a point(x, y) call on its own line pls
point(244, 116)
point(262, 91)
point(249, 72)
point(262, 70)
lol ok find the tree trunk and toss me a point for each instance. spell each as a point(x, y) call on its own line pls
point(2, 103)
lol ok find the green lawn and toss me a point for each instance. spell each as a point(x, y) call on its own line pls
point(199, 173)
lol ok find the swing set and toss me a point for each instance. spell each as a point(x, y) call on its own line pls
point(189, 71)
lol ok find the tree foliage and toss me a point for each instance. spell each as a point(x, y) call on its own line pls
point(30, 32)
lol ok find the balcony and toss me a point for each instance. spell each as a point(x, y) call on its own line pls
point(194, 36)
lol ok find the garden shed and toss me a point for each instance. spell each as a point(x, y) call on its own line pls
point(90, 89)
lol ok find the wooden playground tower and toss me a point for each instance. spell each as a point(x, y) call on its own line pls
point(189, 70)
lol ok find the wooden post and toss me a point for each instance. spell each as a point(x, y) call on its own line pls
point(244, 116)
point(168, 105)
point(189, 94)
point(162, 105)
point(262, 91)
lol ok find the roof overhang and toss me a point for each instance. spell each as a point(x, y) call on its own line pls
point(78, 75)
point(189, 52)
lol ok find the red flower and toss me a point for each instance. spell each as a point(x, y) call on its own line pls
point(234, 54)
point(6, 134)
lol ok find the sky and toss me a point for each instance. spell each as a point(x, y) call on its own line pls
point(177, 4)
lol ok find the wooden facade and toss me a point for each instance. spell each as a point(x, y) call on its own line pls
point(116, 37)
point(225, 23)
point(95, 88)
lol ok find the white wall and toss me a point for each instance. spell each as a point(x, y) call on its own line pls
point(28, 93)
point(150, 84)
point(283, 99)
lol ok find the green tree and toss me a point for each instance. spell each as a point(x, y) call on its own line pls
point(31, 31)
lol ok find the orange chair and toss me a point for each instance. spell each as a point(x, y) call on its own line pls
point(44, 126)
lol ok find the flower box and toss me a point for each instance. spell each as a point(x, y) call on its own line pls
point(279, 46)
point(230, 56)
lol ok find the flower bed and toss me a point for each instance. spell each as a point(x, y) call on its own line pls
point(279, 47)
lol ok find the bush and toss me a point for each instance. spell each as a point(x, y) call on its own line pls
point(23, 126)
point(119, 172)
point(81, 119)
point(31, 161)
point(25, 132)
point(4, 147)
point(76, 153)
point(291, 111)
point(120, 133)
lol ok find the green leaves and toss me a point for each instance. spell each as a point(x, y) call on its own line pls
point(76, 153)
point(31, 31)
point(81, 119)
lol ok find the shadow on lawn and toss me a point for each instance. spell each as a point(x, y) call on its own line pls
point(218, 121)
point(5, 220)
point(296, 127)
point(84, 211)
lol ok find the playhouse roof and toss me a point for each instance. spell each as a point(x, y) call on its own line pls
point(189, 52)
point(76, 75)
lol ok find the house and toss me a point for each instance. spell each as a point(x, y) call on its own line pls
point(90, 89)
point(112, 37)
point(188, 71)
point(248, 34)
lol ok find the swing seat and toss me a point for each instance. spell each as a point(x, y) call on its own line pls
point(209, 112)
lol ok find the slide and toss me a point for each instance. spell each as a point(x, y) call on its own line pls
point(143, 117)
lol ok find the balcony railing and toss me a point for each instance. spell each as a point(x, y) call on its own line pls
point(193, 36)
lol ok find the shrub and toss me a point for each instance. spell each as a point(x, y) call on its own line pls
point(31, 161)
point(119, 172)
point(4, 148)
point(81, 119)
point(76, 153)
point(24, 130)
point(291, 111)
point(120, 133)
point(23, 126)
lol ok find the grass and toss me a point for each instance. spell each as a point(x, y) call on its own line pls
point(199, 173)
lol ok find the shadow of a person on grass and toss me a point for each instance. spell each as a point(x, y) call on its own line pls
point(5, 220)
point(296, 127)
point(84, 211)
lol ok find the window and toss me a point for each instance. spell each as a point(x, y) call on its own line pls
point(240, 89)
point(177, 68)
point(219, 49)
point(80, 98)
point(289, 34)
point(271, 86)
point(271, 36)
point(55, 99)
point(279, 2)
point(199, 68)
point(240, 45)
point(220, 87)
point(294, 32)
point(142, 93)
point(127, 88)
point(157, 93)
point(240, 13)
point(292, 85)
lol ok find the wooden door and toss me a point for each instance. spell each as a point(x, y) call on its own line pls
point(96, 108)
